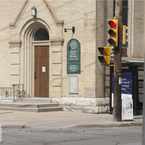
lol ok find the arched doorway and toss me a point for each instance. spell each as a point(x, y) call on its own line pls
point(41, 67)
point(35, 60)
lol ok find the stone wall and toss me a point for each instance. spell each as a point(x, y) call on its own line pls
point(89, 17)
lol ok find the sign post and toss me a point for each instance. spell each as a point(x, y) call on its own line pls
point(118, 64)
point(126, 95)
point(144, 108)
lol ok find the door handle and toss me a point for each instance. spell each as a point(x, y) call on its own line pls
point(44, 68)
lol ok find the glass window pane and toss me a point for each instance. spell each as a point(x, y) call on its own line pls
point(41, 34)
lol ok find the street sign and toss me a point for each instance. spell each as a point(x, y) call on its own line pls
point(126, 96)
point(73, 57)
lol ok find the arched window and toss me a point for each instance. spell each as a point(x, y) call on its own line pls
point(73, 57)
point(41, 34)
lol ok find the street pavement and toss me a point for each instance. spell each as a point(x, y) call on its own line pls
point(73, 136)
point(61, 119)
point(69, 127)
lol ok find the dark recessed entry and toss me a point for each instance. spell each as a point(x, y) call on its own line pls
point(41, 34)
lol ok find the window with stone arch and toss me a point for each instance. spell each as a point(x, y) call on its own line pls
point(41, 35)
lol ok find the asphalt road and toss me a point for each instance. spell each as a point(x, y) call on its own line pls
point(72, 136)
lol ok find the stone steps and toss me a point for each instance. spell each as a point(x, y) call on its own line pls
point(32, 109)
point(34, 99)
point(32, 105)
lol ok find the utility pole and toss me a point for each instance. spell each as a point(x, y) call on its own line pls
point(143, 136)
point(117, 64)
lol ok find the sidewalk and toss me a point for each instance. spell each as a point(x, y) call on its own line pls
point(62, 119)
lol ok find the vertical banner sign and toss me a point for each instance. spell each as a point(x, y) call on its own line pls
point(73, 57)
point(126, 96)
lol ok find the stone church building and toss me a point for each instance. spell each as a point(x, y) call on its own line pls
point(34, 41)
point(48, 49)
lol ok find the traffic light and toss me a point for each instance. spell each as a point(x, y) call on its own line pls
point(125, 36)
point(113, 32)
point(105, 55)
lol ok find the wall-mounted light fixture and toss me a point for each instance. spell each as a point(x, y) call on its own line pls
point(72, 29)
point(34, 12)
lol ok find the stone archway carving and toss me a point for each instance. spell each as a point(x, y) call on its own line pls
point(27, 55)
point(22, 40)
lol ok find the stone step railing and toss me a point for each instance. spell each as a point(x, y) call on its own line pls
point(12, 93)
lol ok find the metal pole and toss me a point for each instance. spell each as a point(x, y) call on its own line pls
point(114, 3)
point(143, 139)
point(117, 64)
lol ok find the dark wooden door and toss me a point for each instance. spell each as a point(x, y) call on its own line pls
point(41, 75)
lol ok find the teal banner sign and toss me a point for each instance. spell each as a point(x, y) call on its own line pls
point(73, 57)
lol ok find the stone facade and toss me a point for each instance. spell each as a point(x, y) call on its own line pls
point(17, 48)
point(136, 29)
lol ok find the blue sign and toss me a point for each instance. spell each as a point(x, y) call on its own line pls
point(126, 84)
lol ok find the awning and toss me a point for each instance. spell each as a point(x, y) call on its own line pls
point(136, 61)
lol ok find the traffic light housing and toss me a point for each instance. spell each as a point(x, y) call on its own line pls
point(105, 55)
point(113, 32)
point(125, 36)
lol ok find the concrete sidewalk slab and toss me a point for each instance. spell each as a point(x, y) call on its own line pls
point(64, 119)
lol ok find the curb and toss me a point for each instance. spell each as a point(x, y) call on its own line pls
point(14, 126)
point(132, 124)
point(105, 125)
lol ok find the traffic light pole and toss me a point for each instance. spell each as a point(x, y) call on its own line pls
point(117, 65)
point(114, 3)
point(143, 136)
